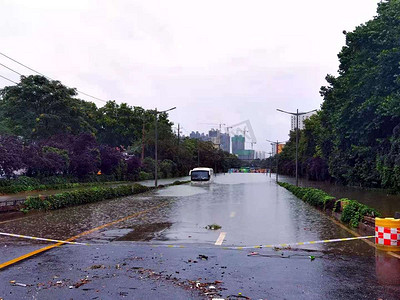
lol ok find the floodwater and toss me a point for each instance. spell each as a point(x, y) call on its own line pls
point(387, 204)
point(250, 208)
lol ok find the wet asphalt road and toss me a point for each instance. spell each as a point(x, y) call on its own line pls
point(252, 210)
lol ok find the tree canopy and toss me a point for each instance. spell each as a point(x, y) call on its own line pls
point(355, 133)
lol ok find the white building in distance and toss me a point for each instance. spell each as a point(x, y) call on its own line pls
point(301, 120)
point(260, 155)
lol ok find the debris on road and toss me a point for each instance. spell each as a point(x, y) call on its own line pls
point(209, 289)
point(81, 282)
point(213, 227)
point(202, 257)
point(13, 282)
point(238, 296)
point(96, 267)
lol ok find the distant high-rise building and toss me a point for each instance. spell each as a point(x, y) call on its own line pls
point(260, 155)
point(225, 142)
point(237, 143)
point(214, 137)
point(301, 120)
point(199, 136)
point(245, 154)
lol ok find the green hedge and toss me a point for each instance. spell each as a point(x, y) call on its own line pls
point(352, 213)
point(77, 197)
point(16, 188)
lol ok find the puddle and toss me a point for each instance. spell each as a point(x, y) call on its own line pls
point(181, 191)
point(145, 232)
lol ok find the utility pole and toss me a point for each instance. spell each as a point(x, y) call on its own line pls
point(143, 132)
point(297, 114)
point(156, 150)
point(270, 163)
point(276, 155)
point(277, 160)
point(179, 137)
point(156, 113)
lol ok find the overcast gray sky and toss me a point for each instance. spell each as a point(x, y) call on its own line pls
point(216, 61)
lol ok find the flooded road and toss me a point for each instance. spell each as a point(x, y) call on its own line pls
point(251, 210)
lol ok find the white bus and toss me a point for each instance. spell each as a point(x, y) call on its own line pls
point(201, 175)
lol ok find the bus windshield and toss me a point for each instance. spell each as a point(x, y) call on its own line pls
point(200, 176)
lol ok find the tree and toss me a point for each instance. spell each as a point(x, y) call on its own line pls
point(84, 155)
point(11, 158)
point(38, 108)
point(111, 159)
point(119, 125)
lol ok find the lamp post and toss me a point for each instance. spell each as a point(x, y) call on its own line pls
point(277, 157)
point(270, 163)
point(297, 114)
point(156, 113)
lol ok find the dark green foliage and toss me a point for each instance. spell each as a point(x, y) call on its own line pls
point(355, 137)
point(24, 183)
point(145, 176)
point(352, 213)
point(37, 108)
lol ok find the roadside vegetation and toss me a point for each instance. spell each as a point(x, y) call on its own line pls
point(84, 196)
point(352, 212)
point(355, 137)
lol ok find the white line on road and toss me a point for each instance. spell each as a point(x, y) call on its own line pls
point(220, 239)
point(233, 214)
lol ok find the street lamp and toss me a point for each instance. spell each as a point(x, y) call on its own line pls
point(277, 157)
point(270, 163)
point(156, 113)
point(297, 114)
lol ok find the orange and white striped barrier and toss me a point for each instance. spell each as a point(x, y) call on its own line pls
point(387, 234)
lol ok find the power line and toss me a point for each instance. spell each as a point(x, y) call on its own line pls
point(10, 69)
point(37, 72)
point(8, 79)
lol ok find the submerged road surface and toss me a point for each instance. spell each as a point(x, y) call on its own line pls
point(156, 246)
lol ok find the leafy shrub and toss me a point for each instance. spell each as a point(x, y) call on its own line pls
point(354, 211)
point(145, 176)
point(77, 197)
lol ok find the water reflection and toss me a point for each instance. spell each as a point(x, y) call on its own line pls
point(387, 269)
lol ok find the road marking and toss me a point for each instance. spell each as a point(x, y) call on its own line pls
point(30, 254)
point(40, 239)
point(233, 214)
point(300, 243)
point(220, 239)
point(12, 220)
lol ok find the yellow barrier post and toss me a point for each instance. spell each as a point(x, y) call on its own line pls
point(387, 234)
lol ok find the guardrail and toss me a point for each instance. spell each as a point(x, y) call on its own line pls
point(10, 205)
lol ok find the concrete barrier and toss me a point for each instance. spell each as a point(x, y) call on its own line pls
point(387, 234)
